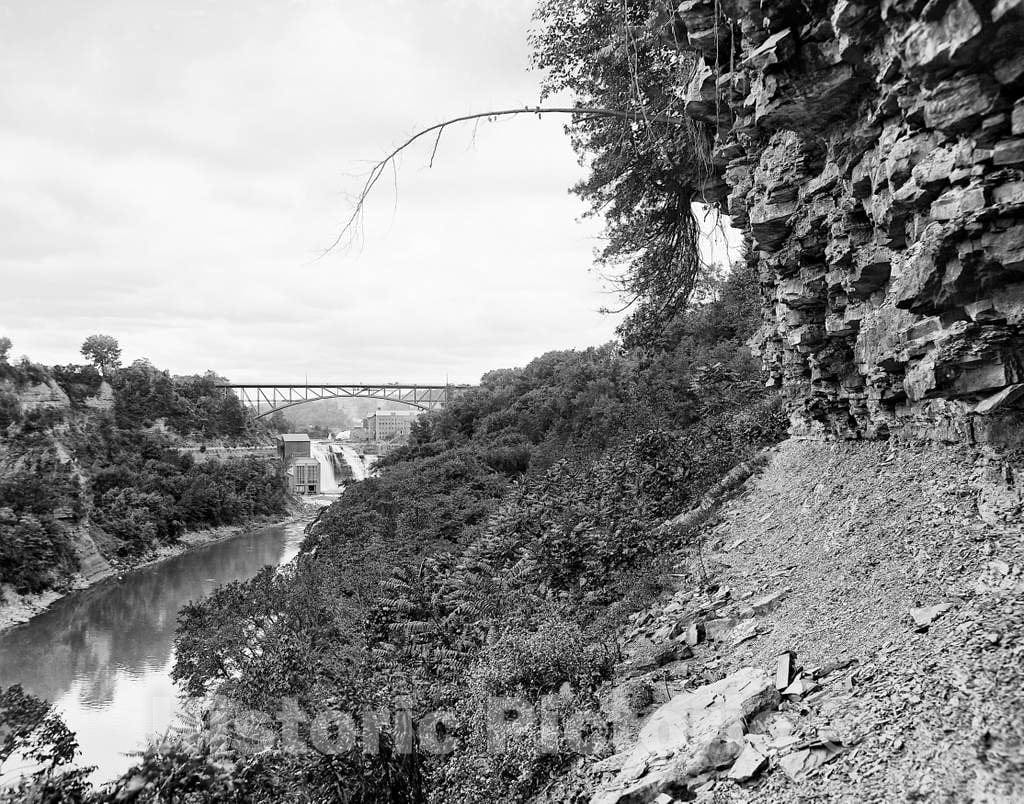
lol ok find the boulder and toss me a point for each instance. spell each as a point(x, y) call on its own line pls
point(689, 735)
point(777, 48)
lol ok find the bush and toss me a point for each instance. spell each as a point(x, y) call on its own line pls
point(138, 519)
point(33, 732)
point(23, 373)
point(536, 662)
point(10, 410)
point(78, 382)
point(499, 550)
point(34, 552)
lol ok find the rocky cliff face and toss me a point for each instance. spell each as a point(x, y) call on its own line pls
point(45, 395)
point(874, 153)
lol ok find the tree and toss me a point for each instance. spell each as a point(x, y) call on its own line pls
point(644, 175)
point(5, 347)
point(31, 730)
point(389, 162)
point(279, 423)
point(103, 351)
point(630, 69)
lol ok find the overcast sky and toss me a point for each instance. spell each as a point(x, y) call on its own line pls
point(170, 172)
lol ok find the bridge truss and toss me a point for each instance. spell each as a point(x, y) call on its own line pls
point(266, 398)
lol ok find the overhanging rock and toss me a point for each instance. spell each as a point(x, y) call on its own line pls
point(877, 163)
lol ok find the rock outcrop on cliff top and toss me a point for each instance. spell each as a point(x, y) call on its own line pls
point(874, 153)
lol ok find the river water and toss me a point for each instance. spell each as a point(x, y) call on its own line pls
point(103, 655)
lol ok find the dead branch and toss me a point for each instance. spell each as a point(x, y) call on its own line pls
point(378, 169)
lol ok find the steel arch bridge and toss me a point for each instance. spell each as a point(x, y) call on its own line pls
point(266, 398)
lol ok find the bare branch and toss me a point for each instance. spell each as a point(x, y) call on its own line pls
point(437, 142)
point(378, 169)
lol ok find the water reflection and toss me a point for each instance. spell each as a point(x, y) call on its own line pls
point(103, 655)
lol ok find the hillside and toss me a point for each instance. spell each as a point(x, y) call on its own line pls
point(91, 476)
point(765, 546)
point(827, 553)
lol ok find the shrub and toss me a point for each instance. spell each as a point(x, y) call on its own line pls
point(536, 662)
point(34, 732)
point(10, 410)
point(139, 519)
point(78, 382)
point(34, 552)
point(499, 550)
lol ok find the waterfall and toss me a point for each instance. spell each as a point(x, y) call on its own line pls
point(352, 459)
point(328, 482)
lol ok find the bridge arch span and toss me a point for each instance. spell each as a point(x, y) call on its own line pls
point(335, 396)
point(266, 398)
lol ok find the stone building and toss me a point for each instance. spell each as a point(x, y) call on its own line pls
point(388, 425)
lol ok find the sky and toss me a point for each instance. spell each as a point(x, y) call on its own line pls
point(170, 174)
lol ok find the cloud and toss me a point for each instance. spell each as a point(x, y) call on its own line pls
point(172, 171)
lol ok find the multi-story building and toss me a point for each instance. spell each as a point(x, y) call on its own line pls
point(303, 470)
point(388, 425)
point(305, 475)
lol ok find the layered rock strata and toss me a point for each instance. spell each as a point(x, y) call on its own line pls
point(874, 153)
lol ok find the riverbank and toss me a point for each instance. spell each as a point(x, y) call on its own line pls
point(16, 609)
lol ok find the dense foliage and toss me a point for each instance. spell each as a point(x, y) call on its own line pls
point(646, 173)
point(110, 468)
point(35, 734)
point(35, 552)
point(190, 405)
point(103, 351)
point(495, 555)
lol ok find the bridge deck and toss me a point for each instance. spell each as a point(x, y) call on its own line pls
point(267, 398)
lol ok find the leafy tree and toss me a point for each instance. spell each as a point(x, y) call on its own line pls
point(33, 551)
point(500, 549)
point(30, 728)
point(143, 393)
point(78, 382)
point(135, 517)
point(279, 423)
point(5, 348)
point(201, 408)
point(645, 174)
point(103, 351)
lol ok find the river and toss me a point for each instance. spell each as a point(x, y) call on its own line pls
point(103, 655)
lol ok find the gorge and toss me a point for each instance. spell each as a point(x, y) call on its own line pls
point(765, 545)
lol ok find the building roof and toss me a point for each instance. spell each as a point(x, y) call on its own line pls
point(294, 437)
